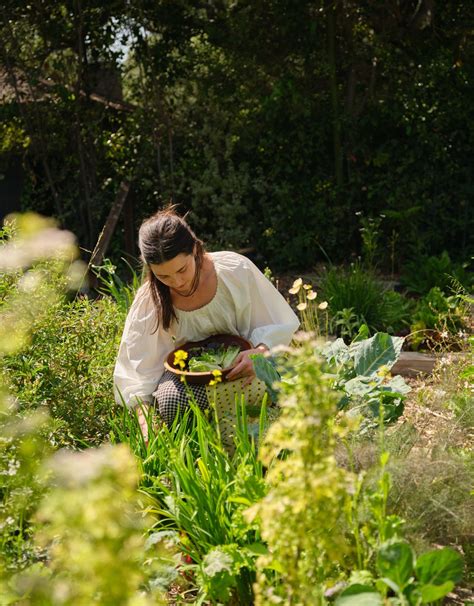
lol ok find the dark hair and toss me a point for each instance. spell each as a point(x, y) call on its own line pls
point(161, 238)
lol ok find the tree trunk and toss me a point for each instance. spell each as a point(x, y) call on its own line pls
point(337, 145)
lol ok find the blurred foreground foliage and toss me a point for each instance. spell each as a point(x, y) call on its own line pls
point(70, 524)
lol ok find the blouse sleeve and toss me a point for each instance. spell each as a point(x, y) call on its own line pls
point(142, 352)
point(263, 315)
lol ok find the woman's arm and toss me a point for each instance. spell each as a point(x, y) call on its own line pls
point(140, 360)
point(263, 315)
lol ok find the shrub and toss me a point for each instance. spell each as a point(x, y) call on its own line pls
point(68, 368)
point(303, 515)
point(423, 273)
point(356, 297)
point(92, 528)
point(438, 319)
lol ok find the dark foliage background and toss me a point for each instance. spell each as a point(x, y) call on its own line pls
point(273, 122)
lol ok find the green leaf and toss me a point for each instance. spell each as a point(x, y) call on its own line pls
point(362, 334)
point(240, 500)
point(360, 385)
point(256, 549)
point(380, 350)
point(217, 561)
point(397, 385)
point(266, 372)
point(359, 595)
point(433, 593)
point(395, 561)
point(438, 566)
point(336, 352)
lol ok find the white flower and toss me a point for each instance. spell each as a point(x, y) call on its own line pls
point(446, 361)
point(296, 286)
point(301, 306)
point(13, 466)
point(311, 295)
point(307, 286)
point(323, 305)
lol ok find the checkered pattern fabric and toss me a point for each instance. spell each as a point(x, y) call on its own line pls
point(172, 397)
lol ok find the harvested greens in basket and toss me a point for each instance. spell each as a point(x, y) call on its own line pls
point(212, 357)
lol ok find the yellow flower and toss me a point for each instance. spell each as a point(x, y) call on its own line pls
point(179, 358)
point(301, 306)
point(311, 295)
point(217, 377)
point(323, 305)
point(383, 371)
point(307, 286)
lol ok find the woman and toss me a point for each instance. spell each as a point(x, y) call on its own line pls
point(189, 295)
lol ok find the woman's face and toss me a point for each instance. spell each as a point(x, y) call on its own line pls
point(177, 274)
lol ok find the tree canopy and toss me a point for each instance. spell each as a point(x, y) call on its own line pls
point(273, 122)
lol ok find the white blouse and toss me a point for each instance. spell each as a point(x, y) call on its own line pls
point(245, 303)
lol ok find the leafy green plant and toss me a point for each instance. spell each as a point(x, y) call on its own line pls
point(356, 297)
point(424, 273)
point(362, 372)
point(201, 492)
point(370, 233)
point(437, 319)
point(68, 367)
point(29, 285)
point(111, 285)
point(92, 528)
point(398, 311)
point(346, 323)
point(23, 448)
point(414, 581)
point(302, 517)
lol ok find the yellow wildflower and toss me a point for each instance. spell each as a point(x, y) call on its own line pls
point(307, 286)
point(383, 371)
point(311, 295)
point(217, 377)
point(179, 358)
point(301, 306)
point(323, 305)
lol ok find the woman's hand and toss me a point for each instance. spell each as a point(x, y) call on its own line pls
point(243, 365)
